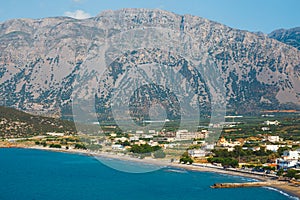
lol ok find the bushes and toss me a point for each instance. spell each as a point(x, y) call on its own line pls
point(144, 148)
point(55, 146)
point(226, 162)
point(186, 159)
point(79, 146)
point(292, 173)
point(159, 154)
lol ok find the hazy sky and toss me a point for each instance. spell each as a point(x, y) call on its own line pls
point(253, 15)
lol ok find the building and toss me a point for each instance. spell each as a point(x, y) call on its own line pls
point(224, 143)
point(288, 160)
point(164, 139)
point(55, 134)
point(139, 132)
point(196, 153)
point(276, 123)
point(117, 147)
point(145, 136)
point(286, 164)
point(291, 155)
point(273, 138)
point(122, 139)
point(272, 147)
point(265, 128)
point(134, 138)
point(186, 135)
point(255, 148)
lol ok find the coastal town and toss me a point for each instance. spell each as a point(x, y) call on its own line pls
point(267, 145)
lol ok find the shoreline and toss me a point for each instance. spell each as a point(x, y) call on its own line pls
point(286, 188)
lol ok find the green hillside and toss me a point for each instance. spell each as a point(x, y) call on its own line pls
point(15, 123)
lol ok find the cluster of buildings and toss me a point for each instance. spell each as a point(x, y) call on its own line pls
point(289, 159)
point(166, 140)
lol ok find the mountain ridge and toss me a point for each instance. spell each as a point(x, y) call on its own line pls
point(40, 59)
point(288, 36)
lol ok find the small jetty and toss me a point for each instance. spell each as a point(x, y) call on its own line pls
point(249, 184)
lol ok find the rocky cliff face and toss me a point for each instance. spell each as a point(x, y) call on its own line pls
point(42, 60)
point(287, 36)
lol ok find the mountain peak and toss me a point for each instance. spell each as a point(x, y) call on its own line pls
point(40, 59)
point(288, 36)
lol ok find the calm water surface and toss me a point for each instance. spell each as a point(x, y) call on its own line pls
point(36, 175)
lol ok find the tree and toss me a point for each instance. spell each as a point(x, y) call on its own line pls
point(55, 146)
point(144, 148)
point(79, 146)
point(291, 173)
point(186, 159)
point(282, 149)
point(280, 172)
point(44, 143)
point(225, 162)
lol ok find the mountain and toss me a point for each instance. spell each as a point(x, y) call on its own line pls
point(44, 63)
point(287, 36)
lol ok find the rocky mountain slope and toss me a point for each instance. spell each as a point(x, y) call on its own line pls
point(287, 36)
point(44, 62)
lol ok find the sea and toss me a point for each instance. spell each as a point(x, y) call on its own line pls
point(29, 174)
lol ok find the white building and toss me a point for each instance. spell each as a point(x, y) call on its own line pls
point(186, 135)
point(276, 123)
point(134, 138)
point(265, 128)
point(122, 139)
point(209, 146)
point(117, 147)
point(272, 147)
point(290, 155)
point(273, 138)
point(286, 164)
point(147, 136)
point(55, 134)
point(139, 132)
point(289, 159)
point(196, 153)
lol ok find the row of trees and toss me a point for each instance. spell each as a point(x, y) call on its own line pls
point(291, 173)
point(147, 150)
point(144, 148)
point(225, 162)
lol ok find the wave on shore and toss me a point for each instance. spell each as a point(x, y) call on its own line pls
point(283, 193)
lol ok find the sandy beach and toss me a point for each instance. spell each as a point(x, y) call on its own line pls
point(285, 186)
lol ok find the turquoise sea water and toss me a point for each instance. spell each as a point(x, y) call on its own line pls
point(34, 175)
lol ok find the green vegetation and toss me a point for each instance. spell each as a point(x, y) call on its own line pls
point(259, 157)
point(80, 146)
point(292, 173)
point(125, 143)
point(20, 124)
point(55, 146)
point(144, 148)
point(94, 147)
point(226, 162)
point(280, 172)
point(43, 143)
point(159, 154)
point(186, 158)
point(249, 126)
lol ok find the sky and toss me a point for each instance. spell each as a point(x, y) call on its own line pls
point(252, 15)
